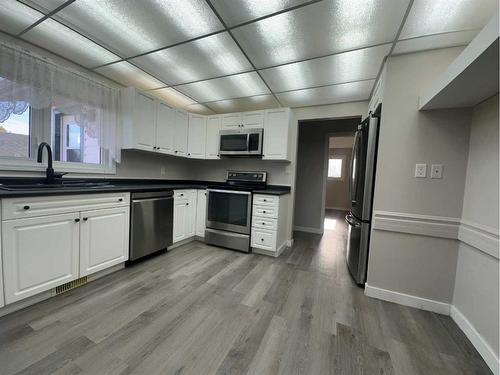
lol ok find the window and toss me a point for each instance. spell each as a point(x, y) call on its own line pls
point(335, 168)
point(15, 135)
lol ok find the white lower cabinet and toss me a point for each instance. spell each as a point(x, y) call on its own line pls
point(184, 214)
point(39, 254)
point(104, 238)
point(201, 213)
point(57, 239)
point(269, 221)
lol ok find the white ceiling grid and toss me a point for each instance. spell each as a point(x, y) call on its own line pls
point(216, 56)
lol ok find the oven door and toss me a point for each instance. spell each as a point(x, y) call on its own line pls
point(229, 210)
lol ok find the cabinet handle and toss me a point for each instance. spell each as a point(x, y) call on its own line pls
point(85, 218)
point(182, 195)
point(176, 151)
point(265, 200)
point(262, 239)
point(187, 204)
point(263, 212)
point(263, 223)
point(26, 207)
point(120, 199)
point(189, 154)
point(77, 220)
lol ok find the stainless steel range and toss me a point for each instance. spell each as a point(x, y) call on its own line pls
point(229, 210)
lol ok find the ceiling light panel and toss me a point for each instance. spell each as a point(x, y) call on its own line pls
point(44, 6)
point(245, 104)
point(173, 97)
point(235, 12)
point(204, 58)
point(320, 29)
point(199, 109)
point(459, 38)
point(240, 85)
point(131, 27)
point(439, 16)
point(347, 92)
point(345, 67)
point(129, 75)
point(59, 39)
point(15, 17)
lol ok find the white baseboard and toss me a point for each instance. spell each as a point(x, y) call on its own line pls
point(289, 243)
point(308, 229)
point(408, 300)
point(476, 339)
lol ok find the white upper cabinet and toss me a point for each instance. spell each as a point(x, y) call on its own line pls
point(139, 120)
point(197, 136)
point(276, 134)
point(254, 119)
point(181, 133)
point(165, 128)
point(231, 121)
point(214, 124)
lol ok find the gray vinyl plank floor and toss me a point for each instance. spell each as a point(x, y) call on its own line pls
point(204, 310)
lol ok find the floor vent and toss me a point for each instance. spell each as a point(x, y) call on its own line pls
point(71, 285)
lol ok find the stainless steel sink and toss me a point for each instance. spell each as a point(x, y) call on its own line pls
point(64, 185)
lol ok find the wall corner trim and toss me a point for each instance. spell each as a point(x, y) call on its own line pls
point(476, 339)
point(408, 300)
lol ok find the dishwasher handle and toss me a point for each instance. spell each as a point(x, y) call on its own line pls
point(150, 199)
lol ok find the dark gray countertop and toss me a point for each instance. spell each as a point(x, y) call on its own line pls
point(121, 185)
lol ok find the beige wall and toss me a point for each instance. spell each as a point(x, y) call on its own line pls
point(337, 191)
point(417, 265)
point(476, 293)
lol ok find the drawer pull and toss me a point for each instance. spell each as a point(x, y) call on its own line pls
point(85, 218)
point(263, 223)
point(77, 220)
point(265, 200)
point(263, 212)
point(262, 239)
point(26, 207)
point(120, 199)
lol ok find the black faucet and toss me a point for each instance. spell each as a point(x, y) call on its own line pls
point(51, 176)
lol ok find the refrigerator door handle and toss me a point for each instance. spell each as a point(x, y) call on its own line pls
point(353, 179)
point(350, 220)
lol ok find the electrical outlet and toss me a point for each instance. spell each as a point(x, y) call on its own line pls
point(421, 170)
point(437, 171)
point(162, 171)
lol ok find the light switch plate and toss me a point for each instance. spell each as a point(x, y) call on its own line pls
point(437, 171)
point(421, 170)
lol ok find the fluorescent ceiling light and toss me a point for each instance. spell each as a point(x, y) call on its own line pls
point(459, 38)
point(245, 104)
point(173, 97)
point(15, 17)
point(199, 109)
point(128, 75)
point(58, 38)
point(44, 6)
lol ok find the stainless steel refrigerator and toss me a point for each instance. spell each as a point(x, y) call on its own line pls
point(361, 183)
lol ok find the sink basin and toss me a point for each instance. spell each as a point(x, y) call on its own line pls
point(64, 185)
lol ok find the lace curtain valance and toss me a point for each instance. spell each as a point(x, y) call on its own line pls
point(28, 80)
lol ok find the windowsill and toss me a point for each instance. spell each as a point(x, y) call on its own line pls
point(338, 179)
point(31, 166)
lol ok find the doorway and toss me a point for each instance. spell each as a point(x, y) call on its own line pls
point(323, 149)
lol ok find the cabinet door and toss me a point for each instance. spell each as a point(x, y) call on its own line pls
point(231, 121)
point(181, 133)
point(212, 143)
point(144, 121)
point(2, 300)
point(180, 217)
point(104, 238)
point(197, 136)
point(276, 130)
point(191, 213)
point(201, 213)
point(254, 119)
point(165, 126)
point(39, 254)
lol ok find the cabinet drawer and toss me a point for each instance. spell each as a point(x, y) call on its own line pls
point(265, 200)
point(19, 208)
point(264, 223)
point(265, 211)
point(182, 194)
point(263, 239)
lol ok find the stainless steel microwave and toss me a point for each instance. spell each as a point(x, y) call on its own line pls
point(241, 142)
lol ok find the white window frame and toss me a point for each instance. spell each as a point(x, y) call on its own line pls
point(42, 133)
point(342, 168)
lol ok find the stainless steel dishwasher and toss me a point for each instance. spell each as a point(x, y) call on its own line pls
point(151, 222)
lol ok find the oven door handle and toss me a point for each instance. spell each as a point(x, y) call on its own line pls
point(229, 191)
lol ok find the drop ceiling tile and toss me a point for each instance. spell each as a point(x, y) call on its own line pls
point(459, 38)
point(204, 58)
point(15, 17)
point(44, 6)
point(173, 97)
point(237, 86)
point(320, 29)
point(439, 16)
point(199, 109)
point(59, 39)
point(345, 67)
point(244, 104)
point(347, 92)
point(129, 75)
point(235, 12)
point(130, 27)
